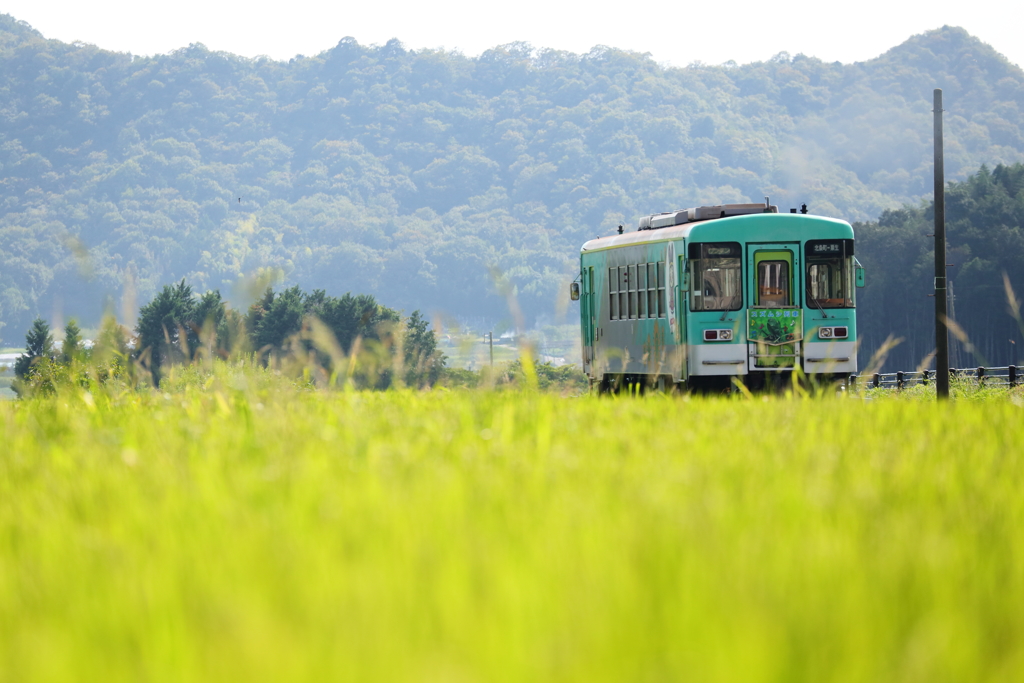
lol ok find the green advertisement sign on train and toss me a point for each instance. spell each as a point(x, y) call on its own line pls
point(776, 331)
point(774, 325)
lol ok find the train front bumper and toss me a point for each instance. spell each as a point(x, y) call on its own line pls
point(830, 357)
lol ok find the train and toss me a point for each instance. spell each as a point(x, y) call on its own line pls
point(715, 296)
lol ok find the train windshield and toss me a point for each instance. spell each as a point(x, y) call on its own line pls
point(830, 274)
point(717, 280)
point(773, 284)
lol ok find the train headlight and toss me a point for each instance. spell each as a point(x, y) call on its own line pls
point(833, 332)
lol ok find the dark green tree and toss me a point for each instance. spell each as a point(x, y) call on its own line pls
point(351, 316)
point(170, 325)
point(38, 346)
point(163, 327)
point(280, 318)
point(210, 325)
point(277, 318)
point(423, 362)
point(71, 348)
point(254, 316)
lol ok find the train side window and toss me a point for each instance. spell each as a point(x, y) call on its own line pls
point(661, 289)
point(716, 272)
point(613, 293)
point(773, 284)
point(636, 292)
point(652, 291)
point(641, 290)
point(623, 293)
point(631, 270)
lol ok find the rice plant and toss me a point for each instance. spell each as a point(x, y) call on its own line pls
point(239, 525)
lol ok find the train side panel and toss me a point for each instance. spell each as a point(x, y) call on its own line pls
point(635, 325)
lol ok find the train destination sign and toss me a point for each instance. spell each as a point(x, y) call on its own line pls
point(715, 250)
point(829, 248)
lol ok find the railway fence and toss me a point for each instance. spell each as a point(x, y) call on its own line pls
point(1005, 376)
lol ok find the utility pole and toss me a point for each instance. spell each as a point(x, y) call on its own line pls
point(490, 342)
point(941, 332)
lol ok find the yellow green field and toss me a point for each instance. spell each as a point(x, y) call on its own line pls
point(245, 529)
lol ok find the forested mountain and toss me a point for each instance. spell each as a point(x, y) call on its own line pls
point(421, 176)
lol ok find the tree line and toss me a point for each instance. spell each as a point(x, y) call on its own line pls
point(985, 253)
point(290, 329)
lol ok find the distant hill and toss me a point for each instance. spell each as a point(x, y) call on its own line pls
point(421, 177)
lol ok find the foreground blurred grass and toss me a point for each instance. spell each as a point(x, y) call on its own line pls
point(244, 529)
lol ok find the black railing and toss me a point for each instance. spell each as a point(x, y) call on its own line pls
point(1004, 376)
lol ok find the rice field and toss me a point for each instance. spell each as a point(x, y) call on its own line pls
point(238, 527)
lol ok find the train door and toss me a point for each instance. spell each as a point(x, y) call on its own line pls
point(672, 358)
point(774, 324)
point(683, 288)
point(588, 314)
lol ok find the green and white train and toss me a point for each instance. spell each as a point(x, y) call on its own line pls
point(698, 297)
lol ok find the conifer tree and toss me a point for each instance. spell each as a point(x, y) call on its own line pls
point(38, 345)
point(71, 347)
point(164, 326)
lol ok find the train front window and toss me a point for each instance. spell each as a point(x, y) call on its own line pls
point(773, 284)
point(830, 274)
point(717, 278)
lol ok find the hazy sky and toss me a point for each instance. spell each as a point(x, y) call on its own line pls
point(677, 33)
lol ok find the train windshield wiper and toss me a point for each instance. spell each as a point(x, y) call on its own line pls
point(818, 304)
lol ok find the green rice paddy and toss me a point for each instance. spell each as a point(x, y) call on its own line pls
point(241, 528)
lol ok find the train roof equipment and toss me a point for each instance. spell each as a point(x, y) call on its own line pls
point(702, 213)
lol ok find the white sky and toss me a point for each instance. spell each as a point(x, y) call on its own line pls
point(674, 33)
